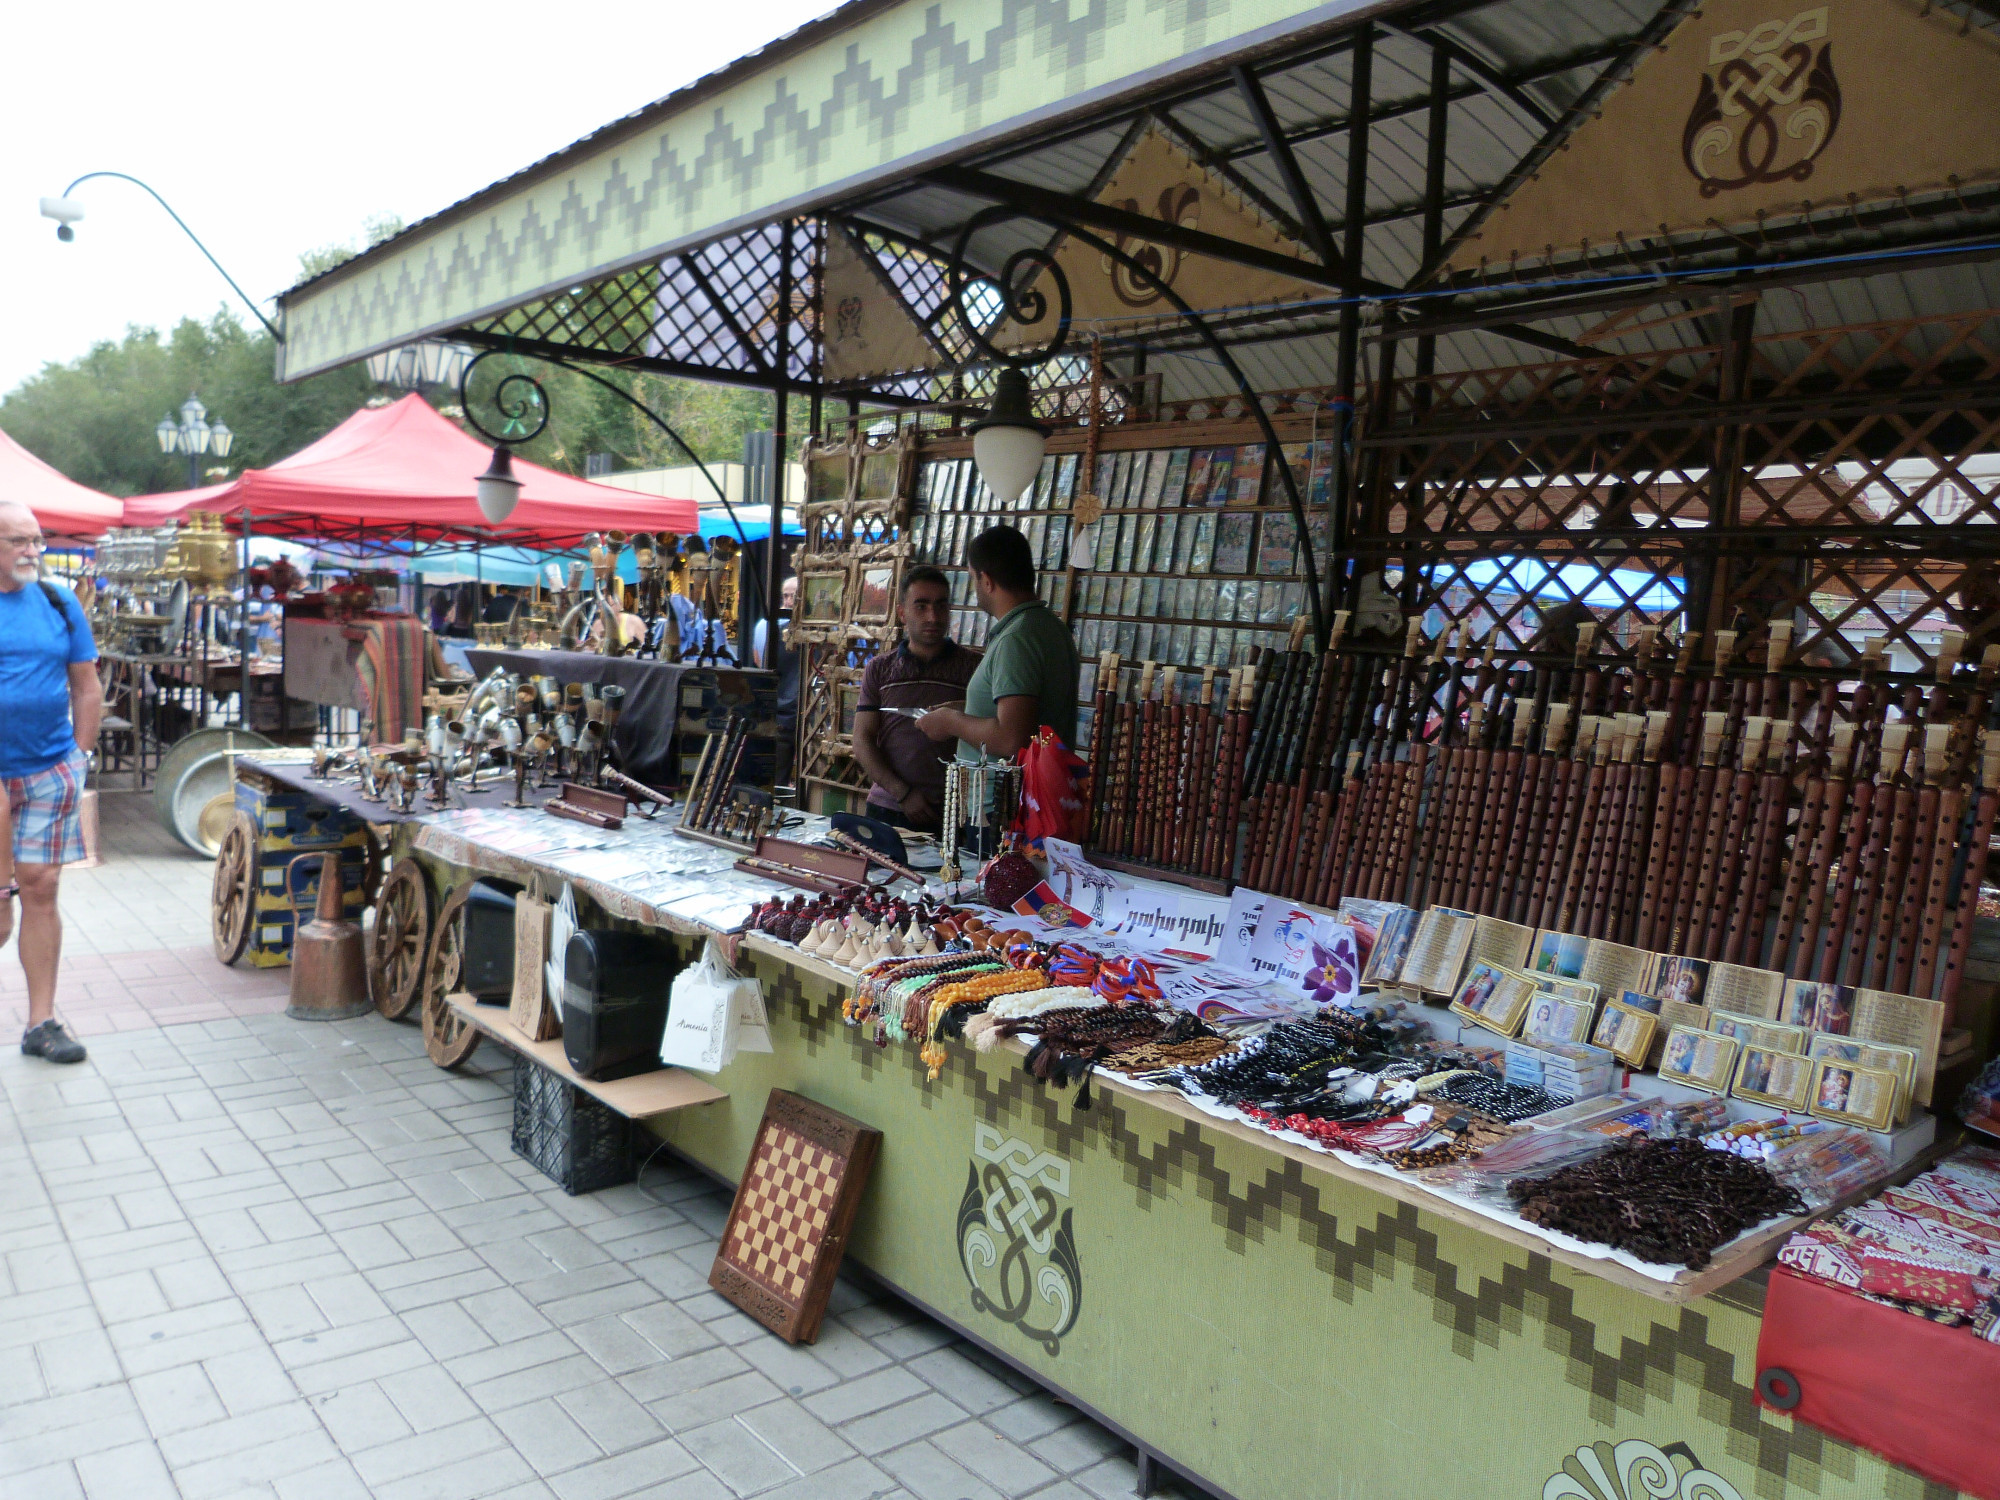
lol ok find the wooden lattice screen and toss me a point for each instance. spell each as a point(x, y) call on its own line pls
point(1846, 475)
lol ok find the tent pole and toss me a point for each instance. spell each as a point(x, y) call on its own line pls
point(781, 396)
point(243, 635)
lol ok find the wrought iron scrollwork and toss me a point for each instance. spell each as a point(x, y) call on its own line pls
point(520, 400)
point(1018, 288)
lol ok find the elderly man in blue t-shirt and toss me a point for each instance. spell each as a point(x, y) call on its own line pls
point(50, 704)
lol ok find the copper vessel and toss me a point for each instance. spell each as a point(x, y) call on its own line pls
point(329, 965)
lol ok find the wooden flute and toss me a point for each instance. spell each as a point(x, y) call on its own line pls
point(1876, 919)
point(1100, 720)
point(1233, 785)
point(1491, 888)
point(1539, 779)
point(1497, 799)
point(1573, 848)
point(1748, 921)
point(1799, 866)
point(1913, 888)
point(1556, 747)
point(1954, 826)
point(1752, 888)
point(1874, 849)
point(1605, 899)
point(1687, 859)
point(1966, 913)
point(1656, 901)
point(1732, 864)
point(1724, 794)
point(1213, 823)
point(1469, 832)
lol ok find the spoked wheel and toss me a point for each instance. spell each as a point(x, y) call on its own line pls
point(448, 1037)
point(402, 940)
point(371, 870)
point(232, 894)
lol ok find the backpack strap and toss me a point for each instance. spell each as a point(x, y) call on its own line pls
point(55, 598)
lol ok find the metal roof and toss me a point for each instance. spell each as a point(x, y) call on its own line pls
point(1519, 72)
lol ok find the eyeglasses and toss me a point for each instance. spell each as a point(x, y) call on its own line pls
point(26, 543)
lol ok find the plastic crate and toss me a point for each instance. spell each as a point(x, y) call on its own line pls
point(573, 1140)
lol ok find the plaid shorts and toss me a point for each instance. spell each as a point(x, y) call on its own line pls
point(48, 812)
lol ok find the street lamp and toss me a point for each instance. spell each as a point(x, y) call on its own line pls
point(194, 435)
point(67, 210)
point(1008, 443)
point(412, 367)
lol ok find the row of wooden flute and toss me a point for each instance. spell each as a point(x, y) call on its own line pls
point(1834, 831)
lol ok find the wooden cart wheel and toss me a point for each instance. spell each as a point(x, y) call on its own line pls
point(448, 1037)
point(232, 894)
point(401, 947)
point(371, 869)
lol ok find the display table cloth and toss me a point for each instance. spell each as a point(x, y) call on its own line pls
point(374, 664)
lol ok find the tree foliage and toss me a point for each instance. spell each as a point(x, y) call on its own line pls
point(94, 417)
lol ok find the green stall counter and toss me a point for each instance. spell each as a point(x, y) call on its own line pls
point(1249, 1315)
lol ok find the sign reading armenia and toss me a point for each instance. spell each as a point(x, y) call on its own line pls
point(1763, 109)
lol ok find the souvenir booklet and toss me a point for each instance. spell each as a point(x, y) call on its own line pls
point(1851, 1094)
point(1700, 1059)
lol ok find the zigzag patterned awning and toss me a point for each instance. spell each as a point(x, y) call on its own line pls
point(869, 95)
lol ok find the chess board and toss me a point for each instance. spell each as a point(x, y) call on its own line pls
point(788, 1227)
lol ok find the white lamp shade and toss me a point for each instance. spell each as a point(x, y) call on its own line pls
point(192, 411)
point(1008, 459)
point(220, 438)
point(168, 434)
point(497, 490)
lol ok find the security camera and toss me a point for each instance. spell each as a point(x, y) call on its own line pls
point(65, 211)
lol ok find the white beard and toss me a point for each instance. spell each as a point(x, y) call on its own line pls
point(27, 572)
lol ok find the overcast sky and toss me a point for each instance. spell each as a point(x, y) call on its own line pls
point(273, 129)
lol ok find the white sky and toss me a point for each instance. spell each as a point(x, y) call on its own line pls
point(275, 128)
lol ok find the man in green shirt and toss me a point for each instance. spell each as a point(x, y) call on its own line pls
point(1028, 676)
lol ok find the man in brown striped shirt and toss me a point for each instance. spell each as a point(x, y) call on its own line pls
point(926, 669)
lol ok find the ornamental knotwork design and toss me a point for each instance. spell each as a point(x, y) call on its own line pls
point(1015, 1241)
point(1635, 1470)
point(1767, 106)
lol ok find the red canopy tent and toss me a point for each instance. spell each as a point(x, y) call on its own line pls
point(64, 507)
point(405, 470)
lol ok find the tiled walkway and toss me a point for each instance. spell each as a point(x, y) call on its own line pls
point(256, 1257)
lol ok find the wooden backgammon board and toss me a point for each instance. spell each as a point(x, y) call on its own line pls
point(788, 1228)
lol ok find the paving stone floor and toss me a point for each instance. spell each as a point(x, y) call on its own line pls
point(246, 1256)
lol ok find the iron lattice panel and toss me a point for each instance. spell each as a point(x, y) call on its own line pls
point(713, 308)
point(1844, 476)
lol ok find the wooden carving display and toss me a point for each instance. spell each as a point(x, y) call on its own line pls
point(787, 1230)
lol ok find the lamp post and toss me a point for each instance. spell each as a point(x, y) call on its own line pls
point(194, 435)
point(412, 367)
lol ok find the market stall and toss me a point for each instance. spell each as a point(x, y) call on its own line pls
point(398, 473)
point(1164, 1255)
point(1524, 514)
point(68, 511)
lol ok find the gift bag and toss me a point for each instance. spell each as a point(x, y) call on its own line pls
point(712, 1011)
point(562, 927)
point(1055, 790)
point(534, 1008)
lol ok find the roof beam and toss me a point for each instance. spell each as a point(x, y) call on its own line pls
point(1061, 208)
point(650, 364)
point(1587, 103)
point(1311, 220)
point(1417, 104)
point(700, 278)
point(1494, 81)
